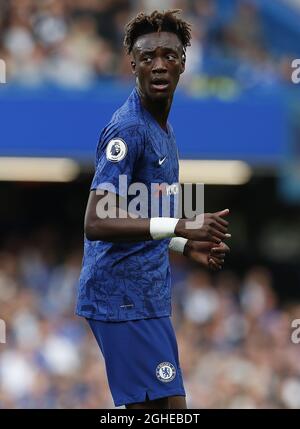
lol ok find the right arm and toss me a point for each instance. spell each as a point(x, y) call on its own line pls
point(113, 227)
point(115, 224)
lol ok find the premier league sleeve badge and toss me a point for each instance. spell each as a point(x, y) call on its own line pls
point(116, 150)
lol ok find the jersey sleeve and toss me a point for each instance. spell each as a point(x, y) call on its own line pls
point(117, 155)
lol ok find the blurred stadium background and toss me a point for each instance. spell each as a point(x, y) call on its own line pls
point(66, 73)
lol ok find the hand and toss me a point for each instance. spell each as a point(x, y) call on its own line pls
point(207, 254)
point(211, 227)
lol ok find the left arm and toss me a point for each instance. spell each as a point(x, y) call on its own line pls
point(205, 253)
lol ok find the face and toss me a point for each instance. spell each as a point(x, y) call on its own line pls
point(157, 63)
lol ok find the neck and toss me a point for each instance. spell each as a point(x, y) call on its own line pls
point(159, 109)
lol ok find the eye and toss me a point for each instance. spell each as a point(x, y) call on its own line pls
point(171, 57)
point(147, 60)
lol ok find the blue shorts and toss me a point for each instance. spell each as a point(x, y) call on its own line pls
point(141, 359)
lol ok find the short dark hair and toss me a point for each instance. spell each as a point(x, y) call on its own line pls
point(156, 22)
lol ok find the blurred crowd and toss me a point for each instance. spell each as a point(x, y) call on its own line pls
point(234, 335)
point(79, 42)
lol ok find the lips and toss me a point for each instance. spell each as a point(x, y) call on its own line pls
point(160, 84)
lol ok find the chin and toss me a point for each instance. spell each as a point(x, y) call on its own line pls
point(160, 95)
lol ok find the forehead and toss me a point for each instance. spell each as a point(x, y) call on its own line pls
point(153, 41)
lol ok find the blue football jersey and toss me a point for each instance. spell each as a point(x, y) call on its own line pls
point(131, 280)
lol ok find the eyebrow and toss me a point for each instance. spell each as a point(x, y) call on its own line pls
point(151, 51)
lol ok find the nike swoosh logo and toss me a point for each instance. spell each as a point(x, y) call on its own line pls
point(160, 161)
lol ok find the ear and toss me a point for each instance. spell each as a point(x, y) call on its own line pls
point(183, 58)
point(133, 66)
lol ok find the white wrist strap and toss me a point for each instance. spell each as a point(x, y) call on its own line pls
point(162, 227)
point(177, 244)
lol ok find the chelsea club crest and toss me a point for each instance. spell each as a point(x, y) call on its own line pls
point(165, 372)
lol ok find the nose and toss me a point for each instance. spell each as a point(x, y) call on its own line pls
point(159, 65)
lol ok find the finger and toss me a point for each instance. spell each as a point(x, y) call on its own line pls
point(222, 213)
point(218, 252)
point(218, 261)
point(221, 221)
point(221, 248)
point(203, 245)
point(216, 233)
point(214, 239)
point(225, 247)
point(213, 265)
point(219, 226)
point(217, 255)
point(221, 256)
